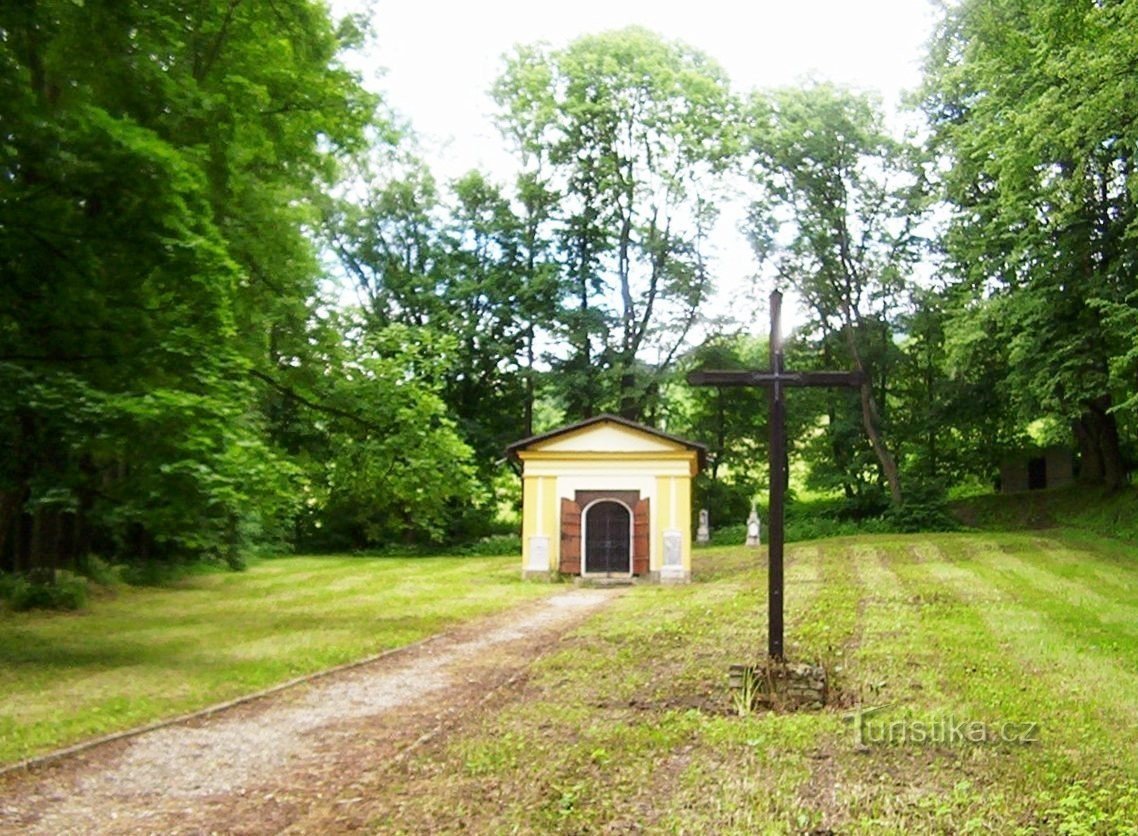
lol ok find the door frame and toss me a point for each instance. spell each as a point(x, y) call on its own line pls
point(585, 539)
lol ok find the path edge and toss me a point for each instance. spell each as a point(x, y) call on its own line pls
point(37, 761)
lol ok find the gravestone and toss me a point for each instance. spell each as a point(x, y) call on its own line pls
point(703, 533)
point(753, 528)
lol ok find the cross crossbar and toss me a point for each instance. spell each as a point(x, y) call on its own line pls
point(774, 380)
point(714, 377)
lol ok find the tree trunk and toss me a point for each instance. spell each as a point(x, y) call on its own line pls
point(871, 419)
point(527, 413)
point(8, 519)
point(587, 404)
point(1100, 454)
point(629, 403)
point(884, 456)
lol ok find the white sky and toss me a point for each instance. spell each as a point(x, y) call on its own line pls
point(439, 59)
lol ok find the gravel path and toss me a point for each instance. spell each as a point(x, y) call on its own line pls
point(255, 768)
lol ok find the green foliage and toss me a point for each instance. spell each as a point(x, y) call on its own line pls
point(1082, 811)
point(820, 518)
point(472, 272)
point(391, 464)
point(731, 421)
point(835, 209)
point(64, 591)
point(1032, 111)
point(732, 534)
point(493, 546)
point(98, 571)
point(728, 501)
point(160, 164)
point(925, 509)
point(188, 387)
point(630, 133)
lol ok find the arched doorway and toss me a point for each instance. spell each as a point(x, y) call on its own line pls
point(608, 538)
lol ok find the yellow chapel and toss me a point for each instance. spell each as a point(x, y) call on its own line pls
point(607, 498)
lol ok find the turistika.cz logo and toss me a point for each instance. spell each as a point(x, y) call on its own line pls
point(870, 730)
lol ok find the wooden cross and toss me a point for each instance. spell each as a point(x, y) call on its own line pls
point(774, 381)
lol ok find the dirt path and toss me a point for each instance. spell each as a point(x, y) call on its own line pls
point(263, 766)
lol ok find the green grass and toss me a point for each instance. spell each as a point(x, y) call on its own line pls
point(142, 654)
point(628, 723)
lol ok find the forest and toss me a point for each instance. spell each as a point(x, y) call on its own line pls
point(238, 312)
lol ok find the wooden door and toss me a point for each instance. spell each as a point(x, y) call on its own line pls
point(570, 537)
point(608, 539)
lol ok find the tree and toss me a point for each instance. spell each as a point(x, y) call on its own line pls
point(953, 414)
point(1032, 110)
point(158, 164)
point(383, 459)
point(630, 131)
point(460, 262)
point(835, 216)
point(733, 424)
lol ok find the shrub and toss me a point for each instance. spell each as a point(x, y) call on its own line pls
point(492, 546)
point(925, 509)
point(729, 535)
point(726, 502)
point(99, 571)
point(64, 591)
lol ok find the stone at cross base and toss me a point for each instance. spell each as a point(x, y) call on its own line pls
point(753, 527)
point(703, 533)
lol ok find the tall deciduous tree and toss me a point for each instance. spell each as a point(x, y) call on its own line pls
point(157, 164)
point(631, 132)
point(1033, 109)
point(469, 263)
point(835, 212)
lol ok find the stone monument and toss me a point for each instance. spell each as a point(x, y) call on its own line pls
point(673, 569)
point(753, 528)
point(703, 533)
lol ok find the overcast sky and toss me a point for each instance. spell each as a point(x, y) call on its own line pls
point(435, 61)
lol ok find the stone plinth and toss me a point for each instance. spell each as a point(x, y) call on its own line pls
point(781, 686)
point(703, 532)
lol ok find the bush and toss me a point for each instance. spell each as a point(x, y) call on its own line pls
point(925, 509)
point(99, 571)
point(492, 546)
point(64, 591)
point(160, 573)
point(729, 535)
point(727, 502)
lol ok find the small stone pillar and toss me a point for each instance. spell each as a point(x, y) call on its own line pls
point(673, 569)
point(753, 528)
point(703, 533)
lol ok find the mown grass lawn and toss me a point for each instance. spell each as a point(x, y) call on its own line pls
point(144, 654)
point(628, 724)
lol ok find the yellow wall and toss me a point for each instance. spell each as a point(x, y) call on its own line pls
point(541, 509)
point(674, 496)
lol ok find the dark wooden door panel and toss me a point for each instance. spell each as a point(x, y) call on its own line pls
point(607, 538)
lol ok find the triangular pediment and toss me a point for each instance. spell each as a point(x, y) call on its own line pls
point(607, 434)
point(607, 437)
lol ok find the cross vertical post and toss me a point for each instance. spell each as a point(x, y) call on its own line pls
point(777, 486)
